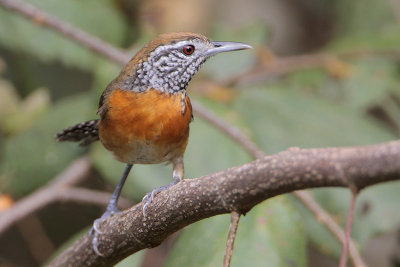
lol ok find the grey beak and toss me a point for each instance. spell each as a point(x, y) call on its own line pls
point(226, 47)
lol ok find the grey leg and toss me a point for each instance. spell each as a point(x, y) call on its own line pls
point(111, 209)
point(177, 175)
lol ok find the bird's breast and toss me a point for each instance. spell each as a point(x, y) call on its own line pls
point(146, 127)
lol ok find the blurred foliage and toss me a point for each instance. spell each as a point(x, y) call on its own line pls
point(350, 100)
point(49, 46)
point(272, 232)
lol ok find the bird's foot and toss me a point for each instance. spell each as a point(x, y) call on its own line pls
point(148, 198)
point(95, 231)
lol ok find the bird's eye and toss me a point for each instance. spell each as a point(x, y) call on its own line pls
point(188, 49)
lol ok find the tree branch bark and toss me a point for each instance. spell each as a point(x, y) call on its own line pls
point(236, 189)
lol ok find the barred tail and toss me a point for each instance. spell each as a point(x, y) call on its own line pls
point(84, 132)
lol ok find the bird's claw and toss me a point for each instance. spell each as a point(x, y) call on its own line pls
point(95, 230)
point(95, 245)
point(95, 227)
point(148, 198)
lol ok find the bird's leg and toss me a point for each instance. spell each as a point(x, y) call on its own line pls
point(111, 208)
point(177, 175)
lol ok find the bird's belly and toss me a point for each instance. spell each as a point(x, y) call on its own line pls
point(147, 152)
point(147, 127)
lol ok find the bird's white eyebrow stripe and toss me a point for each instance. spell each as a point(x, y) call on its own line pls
point(164, 50)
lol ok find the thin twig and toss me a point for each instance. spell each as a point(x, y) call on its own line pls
point(235, 217)
point(45, 195)
point(324, 218)
point(60, 189)
point(230, 130)
point(34, 233)
point(350, 217)
point(89, 196)
point(239, 188)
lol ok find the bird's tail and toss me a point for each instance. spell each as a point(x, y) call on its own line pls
point(84, 132)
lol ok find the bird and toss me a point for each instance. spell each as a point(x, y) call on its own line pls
point(145, 111)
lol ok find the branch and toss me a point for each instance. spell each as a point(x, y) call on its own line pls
point(350, 217)
point(43, 18)
point(230, 130)
point(59, 189)
point(236, 189)
point(44, 196)
point(230, 243)
point(89, 196)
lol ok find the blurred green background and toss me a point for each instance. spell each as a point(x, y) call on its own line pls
point(350, 97)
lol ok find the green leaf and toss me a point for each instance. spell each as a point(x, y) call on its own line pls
point(33, 157)
point(9, 101)
point(134, 260)
point(24, 113)
point(272, 232)
point(281, 118)
point(104, 72)
point(371, 82)
point(98, 17)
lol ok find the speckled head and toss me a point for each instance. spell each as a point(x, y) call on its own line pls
point(169, 61)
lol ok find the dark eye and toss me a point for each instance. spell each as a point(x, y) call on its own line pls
point(188, 49)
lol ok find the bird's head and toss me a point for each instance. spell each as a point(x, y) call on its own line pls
point(169, 61)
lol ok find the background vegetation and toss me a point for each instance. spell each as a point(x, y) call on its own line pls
point(345, 92)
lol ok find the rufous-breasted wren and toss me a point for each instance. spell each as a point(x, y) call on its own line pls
point(145, 112)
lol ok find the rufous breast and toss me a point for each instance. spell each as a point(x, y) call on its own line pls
point(146, 127)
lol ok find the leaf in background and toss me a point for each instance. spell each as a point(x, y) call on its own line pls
point(371, 81)
point(9, 101)
point(280, 118)
point(33, 157)
point(98, 17)
point(104, 72)
point(134, 260)
point(26, 112)
point(272, 233)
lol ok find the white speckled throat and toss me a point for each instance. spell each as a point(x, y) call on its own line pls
point(169, 69)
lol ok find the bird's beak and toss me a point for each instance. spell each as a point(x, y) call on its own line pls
point(226, 47)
